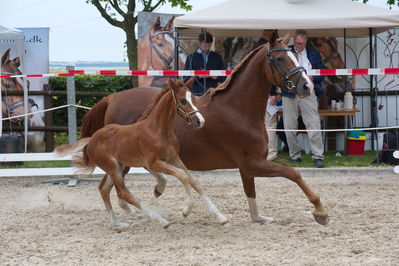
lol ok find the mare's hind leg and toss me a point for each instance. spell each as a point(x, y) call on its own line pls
point(124, 194)
point(197, 187)
point(259, 167)
point(163, 167)
point(105, 187)
point(161, 180)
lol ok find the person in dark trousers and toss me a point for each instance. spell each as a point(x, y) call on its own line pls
point(204, 59)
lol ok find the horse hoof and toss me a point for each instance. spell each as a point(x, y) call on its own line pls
point(321, 219)
point(156, 192)
point(226, 223)
point(166, 226)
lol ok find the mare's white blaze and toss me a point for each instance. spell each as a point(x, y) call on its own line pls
point(198, 114)
point(306, 77)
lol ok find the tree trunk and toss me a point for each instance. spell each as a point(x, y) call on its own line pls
point(131, 47)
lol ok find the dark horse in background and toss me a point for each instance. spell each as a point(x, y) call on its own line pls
point(234, 135)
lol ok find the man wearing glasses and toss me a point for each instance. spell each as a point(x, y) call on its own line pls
point(309, 58)
point(204, 59)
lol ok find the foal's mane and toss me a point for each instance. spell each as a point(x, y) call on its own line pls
point(227, 83)
point(149, 108)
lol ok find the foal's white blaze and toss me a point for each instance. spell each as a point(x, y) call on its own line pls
point(306, 77)
point(198, 114)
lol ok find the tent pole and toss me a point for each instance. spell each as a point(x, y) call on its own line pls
point(176, 48)
point(373, 91)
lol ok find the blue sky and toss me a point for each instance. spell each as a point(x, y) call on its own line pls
point(77, 30)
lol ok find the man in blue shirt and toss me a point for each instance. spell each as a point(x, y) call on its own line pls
point(204, 59)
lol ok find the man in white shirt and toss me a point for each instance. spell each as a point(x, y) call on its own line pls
point(309, 58)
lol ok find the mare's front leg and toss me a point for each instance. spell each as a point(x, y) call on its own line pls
point(163, 167)
point(197, 186)
point(259, 167)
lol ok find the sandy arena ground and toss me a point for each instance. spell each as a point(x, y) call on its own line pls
point(59, 225)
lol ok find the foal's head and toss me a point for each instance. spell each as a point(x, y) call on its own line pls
point(284, 70)
point(185, 102)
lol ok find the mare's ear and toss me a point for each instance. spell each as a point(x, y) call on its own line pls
point(5, 57)
point(169, 24)
point(189, 83)
point(273, 38)
point(157, 24)
point(287, 38)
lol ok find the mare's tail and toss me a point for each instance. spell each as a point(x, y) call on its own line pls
point(80, 158)
point(93, 120)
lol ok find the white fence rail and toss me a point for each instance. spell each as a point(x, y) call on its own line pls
point(60, 171)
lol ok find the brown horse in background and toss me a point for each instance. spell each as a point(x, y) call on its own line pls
point(149, 143)
point(234, 135)
point(328, 49)
point(156, 52)
point(13, 105)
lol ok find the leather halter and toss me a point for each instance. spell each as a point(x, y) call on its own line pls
point(289, 85)
point(184, 114)
point(166, 61)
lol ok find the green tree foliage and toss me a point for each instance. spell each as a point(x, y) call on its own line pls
point(87, 84)
point(390, 3)
point(123, 14)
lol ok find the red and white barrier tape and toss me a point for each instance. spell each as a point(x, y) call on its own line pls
point(172, 73)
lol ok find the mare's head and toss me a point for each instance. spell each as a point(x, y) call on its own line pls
point(283, 69)
point(185, 102)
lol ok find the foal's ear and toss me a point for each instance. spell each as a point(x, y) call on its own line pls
point(189, 83)
point(157, 24)
point(273, 38)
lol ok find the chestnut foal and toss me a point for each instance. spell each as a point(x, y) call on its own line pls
point(149, 143)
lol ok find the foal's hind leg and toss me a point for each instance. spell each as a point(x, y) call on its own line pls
point(105, 187)
point(258, 167)
point(124, 193)
point(197, 186)
point(123, 204)
point(161, 180)
point(163, 167)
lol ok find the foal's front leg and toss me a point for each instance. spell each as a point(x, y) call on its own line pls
point(163, 167)
point(197, 186)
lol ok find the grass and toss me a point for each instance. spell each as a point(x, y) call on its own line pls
point(330, 160)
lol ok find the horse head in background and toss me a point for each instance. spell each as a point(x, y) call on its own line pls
point(156, 52)
point(13, 105)
point(332, 59)
point(235, 49)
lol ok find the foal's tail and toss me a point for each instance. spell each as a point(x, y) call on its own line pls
point(80, 158)
point(93, 120)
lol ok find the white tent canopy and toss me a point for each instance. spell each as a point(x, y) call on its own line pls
point(19, 37)
point(318, 17)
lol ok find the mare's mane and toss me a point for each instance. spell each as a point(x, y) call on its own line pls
point(150, 107)
point(227, 83)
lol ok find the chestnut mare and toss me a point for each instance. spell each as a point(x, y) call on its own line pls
point(328, 49)
point(234, 135)
point(156, 50)
point(149, 143)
